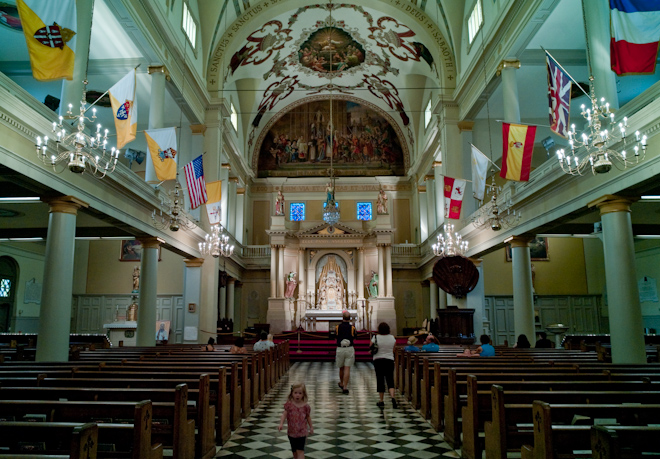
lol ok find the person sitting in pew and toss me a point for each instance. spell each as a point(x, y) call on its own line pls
point(411, 345)
point(522, 343)
point(210, 345)
point(238, 347)
point(430, 344)
point(543, 342)
point(485, 350)
point(263, 343)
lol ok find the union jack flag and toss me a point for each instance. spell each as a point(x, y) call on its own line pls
point(559, 96)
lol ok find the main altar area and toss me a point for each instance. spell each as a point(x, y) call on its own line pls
point(318, 272)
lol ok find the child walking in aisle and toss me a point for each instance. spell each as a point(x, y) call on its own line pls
point(297, 415)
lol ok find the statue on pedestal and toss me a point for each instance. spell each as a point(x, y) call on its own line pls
point(136, 279)
point(279, 204)
point(381, 205)
point(290, 284)
point(373, 285)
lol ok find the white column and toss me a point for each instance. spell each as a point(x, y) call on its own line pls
point(430, 202)
point(597, 14)
point(388, 270)
point(511, 103)
point(156, 111)
point(224, 200)
point(433, 299)
point(476, 300)
point(626, 325)
point(381, 271)
point(302, 274)
point(280, 272)
point(57, 289)
point(360, 274)
point(423, 216)
point(273, 271)
point(439, 194)
point(523, 295)
point(192, 294)
point(146, 326)
point(72, 89)
point(442, 299)
point(230, 298)
point(240, 214)
point(223, 302)
point(231, 206)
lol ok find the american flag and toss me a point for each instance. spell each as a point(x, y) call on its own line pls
point(195, 179)
point(559, 96)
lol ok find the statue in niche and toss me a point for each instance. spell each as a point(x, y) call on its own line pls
point(136, 279)
point(331, 290)
point(381, 206)
point(291, 283)
point(373, 285)
point(279, 204)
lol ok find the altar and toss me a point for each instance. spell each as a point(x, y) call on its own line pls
point(122, 331)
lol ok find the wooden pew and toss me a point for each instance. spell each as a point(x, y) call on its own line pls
point(623, 442)
point(34, 439)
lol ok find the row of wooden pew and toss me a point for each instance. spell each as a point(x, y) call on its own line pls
point(503, 404)
point(143, 399)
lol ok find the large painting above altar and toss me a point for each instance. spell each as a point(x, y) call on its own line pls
point(363, 142)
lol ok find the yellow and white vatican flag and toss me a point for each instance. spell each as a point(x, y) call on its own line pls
point(161, 144)
point(214, 197)
point(50, 32)
point(124, 108)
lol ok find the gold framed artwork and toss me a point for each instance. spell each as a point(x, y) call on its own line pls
point(538, 249)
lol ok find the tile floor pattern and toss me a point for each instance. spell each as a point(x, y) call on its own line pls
point(345, 426)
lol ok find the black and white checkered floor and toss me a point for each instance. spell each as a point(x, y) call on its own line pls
point(345, 426)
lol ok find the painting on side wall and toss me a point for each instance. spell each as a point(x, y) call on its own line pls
point(538, 249)
point(131, 250)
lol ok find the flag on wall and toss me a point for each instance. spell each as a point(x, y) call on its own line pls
point(214, 195)
point(479, 171)
point(517, 151)
point(635, 32)
point(50, 32)
point(124, 108)
point(162, 152)
point(559, 96)
point(195, 179)
point(454, 190)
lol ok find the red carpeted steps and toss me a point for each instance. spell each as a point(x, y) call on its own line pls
point(318, 347)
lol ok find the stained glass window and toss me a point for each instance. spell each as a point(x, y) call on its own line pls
point(5, 286)
point(364, 211)
point(297, 211)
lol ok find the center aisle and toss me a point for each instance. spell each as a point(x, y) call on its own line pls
point(345, 426)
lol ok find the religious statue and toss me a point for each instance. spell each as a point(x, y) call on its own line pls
point(373, 285)
point(290, 284)
point(381, 206)
point(279, 204)
point(136, 279)
point(331, 291)
point(330, 192)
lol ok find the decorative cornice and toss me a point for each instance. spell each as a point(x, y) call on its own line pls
point(198, 129)
point(611, 203)
point(465, 126)
point(159, 69)
point(193, 262)
point(65, 204)
point(151, 242)
point(507, 64)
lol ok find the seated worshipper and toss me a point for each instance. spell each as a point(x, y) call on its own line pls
point(485, 350)
point(210, 345)
point(270, 340)
point(430, 344)
point(410, 347)
point(543, 342)
point(263, 343)
point(522, 343)
point(238, 347)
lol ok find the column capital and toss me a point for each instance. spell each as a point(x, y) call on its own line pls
point(198, 129)
point(429, 177)
point(231, 280)
point(477, 261)
point(240, 191)
point(436, 164)
point(233, 180)
point(65, 204)
point(159, 69)
point(465, 126)
point(226, 166)
point(519, 241)
point(193, 262)
point(421, 189)
point(613, 203)
point(507, 64)
point(150, 242)
point(431, 281)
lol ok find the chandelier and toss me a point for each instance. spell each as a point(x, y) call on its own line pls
point(173, 217)
point(598, 156)
point(217, 243)
point(449, 244)
point(78, 150)
point(331, 210)
point(493, 215)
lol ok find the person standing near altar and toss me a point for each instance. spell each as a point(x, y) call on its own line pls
point(346, 335)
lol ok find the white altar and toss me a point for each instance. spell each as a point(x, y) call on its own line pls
point(122, 331)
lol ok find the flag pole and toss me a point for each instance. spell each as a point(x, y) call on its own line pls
point(102, 95)
point(566, 72)
point(489, 160)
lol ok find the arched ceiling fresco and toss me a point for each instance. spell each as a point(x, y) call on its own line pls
point(266, 62)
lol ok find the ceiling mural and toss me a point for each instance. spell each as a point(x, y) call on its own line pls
point(330, 50)
point(358, 139)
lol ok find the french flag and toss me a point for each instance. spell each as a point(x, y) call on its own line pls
point(635, 31)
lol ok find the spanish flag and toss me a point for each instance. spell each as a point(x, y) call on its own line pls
point(517, 153)
point(162, 151)
point(124, 108)
point(50, 32)
point(214, 196)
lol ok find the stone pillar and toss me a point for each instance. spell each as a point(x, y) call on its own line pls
point(381, 272)
point(224, 200)
point(360, 274)
point(273, 271)
point(442, 299)
point(439, 194)
point(146, 326)
point(430, 202)
point(476, 300)
point(423, 215)
point(507, 69)
point(222, 300)
point(280, 272)
point(597, 23)
point(156, 111)
point(240, 213)
point(433, 296)
point(523, 295)
point(72, 89)
point(626, 326)
point(57, 289)
point(231, 282)
point(208, 307)
point(192, 294)
point(388, 270)
point(302, 275)
point(231, 206)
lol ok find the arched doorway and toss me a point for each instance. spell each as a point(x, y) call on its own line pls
point(8, 279)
